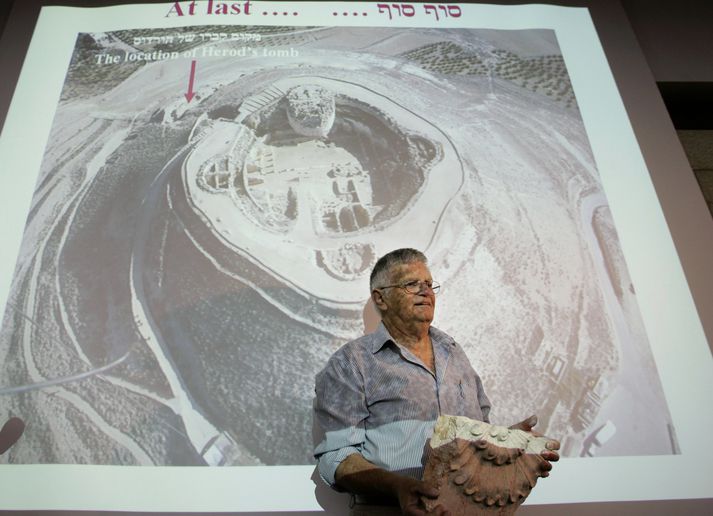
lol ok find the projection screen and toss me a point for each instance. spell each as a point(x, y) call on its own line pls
point(196, 193)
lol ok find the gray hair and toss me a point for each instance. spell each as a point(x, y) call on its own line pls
point(380, 272)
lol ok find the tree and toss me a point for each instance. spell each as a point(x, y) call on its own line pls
point(291, 209)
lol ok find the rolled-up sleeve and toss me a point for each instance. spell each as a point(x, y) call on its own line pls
point(340, 412)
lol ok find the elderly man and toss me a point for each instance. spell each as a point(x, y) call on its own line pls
point(379, 396)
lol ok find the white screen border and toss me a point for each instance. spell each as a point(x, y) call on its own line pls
point(676, 336)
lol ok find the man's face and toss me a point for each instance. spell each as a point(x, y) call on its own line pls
point(397, 305)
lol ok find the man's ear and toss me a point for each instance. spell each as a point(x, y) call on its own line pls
point(378, 298)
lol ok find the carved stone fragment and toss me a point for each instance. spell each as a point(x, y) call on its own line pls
point(482, 469)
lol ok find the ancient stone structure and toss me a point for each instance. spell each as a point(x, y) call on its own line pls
point(311, 110)
point(482, 469)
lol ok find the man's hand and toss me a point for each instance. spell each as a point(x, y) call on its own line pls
point(357, 475)
point(410, 494)
point(550, 454)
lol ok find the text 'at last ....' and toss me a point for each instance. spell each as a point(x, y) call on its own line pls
point(211, 7)
point(392, 10)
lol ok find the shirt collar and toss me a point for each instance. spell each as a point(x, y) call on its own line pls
point(439, 339)
point(380, 337)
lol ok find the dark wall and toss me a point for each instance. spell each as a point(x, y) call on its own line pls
point(675, 37)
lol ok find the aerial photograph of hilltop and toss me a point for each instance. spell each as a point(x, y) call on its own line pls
point(211, 202)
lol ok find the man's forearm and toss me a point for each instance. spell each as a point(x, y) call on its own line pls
point(358, 475)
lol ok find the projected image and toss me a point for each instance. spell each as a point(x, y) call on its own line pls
point(211, 202)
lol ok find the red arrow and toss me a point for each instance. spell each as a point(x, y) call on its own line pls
point(189, 96)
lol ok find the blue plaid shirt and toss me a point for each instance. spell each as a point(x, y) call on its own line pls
point(376, 398)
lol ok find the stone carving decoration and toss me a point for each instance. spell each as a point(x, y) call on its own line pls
point(482, 469)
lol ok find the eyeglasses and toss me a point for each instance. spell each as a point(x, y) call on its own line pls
point(415, 287)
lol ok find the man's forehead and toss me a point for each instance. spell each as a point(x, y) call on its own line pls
point(409, 271)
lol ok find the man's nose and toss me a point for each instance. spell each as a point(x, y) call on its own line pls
point(425, 287)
